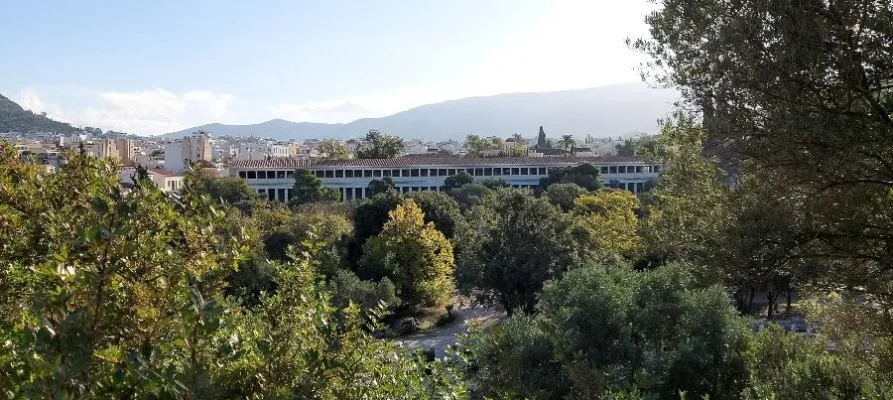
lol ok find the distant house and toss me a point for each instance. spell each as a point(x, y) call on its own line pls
point(167, 181)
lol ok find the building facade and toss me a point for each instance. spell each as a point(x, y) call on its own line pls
point(190, 149)
point(274, 178)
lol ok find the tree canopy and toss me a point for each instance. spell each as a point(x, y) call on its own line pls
point(412, 254)
point(308, 188)
point(518, 242)
point(378, 145)
point(333, 149)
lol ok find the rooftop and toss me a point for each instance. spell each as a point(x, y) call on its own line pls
point(435, 161)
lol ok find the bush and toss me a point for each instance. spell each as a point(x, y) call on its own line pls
point(564, 194)
point(406, 326)
point(612, 329)
point(346, 288)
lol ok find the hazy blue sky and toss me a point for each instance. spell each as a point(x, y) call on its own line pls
point(164, 65)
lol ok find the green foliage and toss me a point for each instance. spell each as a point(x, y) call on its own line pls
point(230, 190)
point(689, 200)
point(517, 243)
point(377, 145)
point(368, 219)
point(564, 194)
point(111, 296)
point(476, 145)
point(516, 359)
point(492, 183)
point(611, 330)
point(333, 149)
point(779, 87)
point(412, 254)
point(469, 195)
point(584, 175)
point(309, 189)
point(347, 289)
point(610, 213)
point(441, 210)
point(567, 142)
point(457, 181)
point(791, 366)
point(377, 186)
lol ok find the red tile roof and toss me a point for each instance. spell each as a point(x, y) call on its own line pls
point(163, 172)
point(275, 162)
point(475, 162)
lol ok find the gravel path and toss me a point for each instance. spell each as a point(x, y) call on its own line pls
point(440, 338)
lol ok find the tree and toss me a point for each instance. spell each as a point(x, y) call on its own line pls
point(496, 183)
point(468, 195)
point(308, 189)
point(368, 220)
point(518, 242)
point(611, 215)
point(414, 255)
point(541, 139)
point(381, 186)
point(377, 145)
point(607, 330)
point(567, 142)
point(564, 194)
point(626, 149)
point(457, 181)
point(801, 89)
point(441, 210)
point(475, 145)
point(333, 149)
point(230, 190)
point(584, 175)
point(690, 198)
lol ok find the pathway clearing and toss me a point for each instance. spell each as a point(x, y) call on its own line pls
point(440, 338)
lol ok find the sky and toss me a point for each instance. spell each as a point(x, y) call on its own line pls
point(152, 67)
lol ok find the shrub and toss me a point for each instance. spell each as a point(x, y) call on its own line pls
point(346, 288)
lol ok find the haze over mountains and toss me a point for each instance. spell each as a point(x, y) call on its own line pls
point(602, 111)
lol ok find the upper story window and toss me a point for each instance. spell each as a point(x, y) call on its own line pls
point(330, 174)
point(252, 175)
point(516, 171)
point(339, 173)
point(621, 169)
point(320, 174)
point(405, 173)
point(612, 169)
point(280, 174)
point(451, 172)
point(242, 174)
point(261, 174)
point(367, 173)
point(348, 173)
point(638, 169)
point(656, 168)
point(442, 172)
point(542, 171)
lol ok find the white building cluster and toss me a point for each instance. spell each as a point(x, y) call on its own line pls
point(274, 178)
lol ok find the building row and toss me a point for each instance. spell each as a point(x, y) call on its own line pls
point(274, 178)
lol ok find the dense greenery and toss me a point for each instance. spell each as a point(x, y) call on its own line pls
point(113, 295)
point(517, 243)
point(605, 330)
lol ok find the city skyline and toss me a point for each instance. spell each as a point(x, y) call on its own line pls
point(185, 65)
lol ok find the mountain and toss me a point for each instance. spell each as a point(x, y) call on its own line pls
point(612, 110)
point(14, 118)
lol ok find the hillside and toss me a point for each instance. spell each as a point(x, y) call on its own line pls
point(13, 118)
point(602, 111)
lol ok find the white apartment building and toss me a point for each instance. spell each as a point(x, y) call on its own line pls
point(274, 178)
point(190, 149)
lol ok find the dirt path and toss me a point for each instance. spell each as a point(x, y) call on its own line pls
point(440, 338)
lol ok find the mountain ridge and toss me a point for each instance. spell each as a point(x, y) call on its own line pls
point(14, 118)
point(611, 110)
